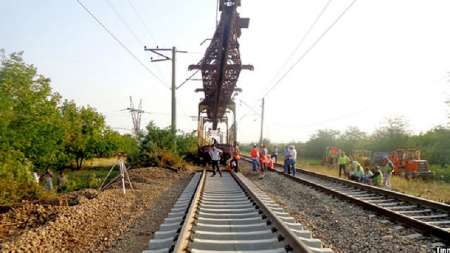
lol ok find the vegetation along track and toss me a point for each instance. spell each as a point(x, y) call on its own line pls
point(230, 214)
point(430, 217)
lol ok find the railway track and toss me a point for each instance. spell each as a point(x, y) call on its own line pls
point(230, 214)
point(430, 217)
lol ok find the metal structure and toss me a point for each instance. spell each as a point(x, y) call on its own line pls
point(220, 67)
point(163, 57)
point(136, 114)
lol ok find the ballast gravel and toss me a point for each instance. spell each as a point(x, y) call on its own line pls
point(340, 225)
point(99, 224)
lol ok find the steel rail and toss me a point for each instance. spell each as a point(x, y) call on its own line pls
point(426, 228)
point(230, 214)
point(292, 240)
point(186, 230)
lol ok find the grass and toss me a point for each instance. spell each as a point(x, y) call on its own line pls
point(100, 162)
point(87, 178)
point(440, 173)
point(437, 190)
point(91, 175)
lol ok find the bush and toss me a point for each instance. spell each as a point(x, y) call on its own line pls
point(16, 182)
point(161, 147)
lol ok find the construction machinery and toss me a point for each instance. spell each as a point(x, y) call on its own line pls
point(408, 163)
point(330, 156)
point(220, 68)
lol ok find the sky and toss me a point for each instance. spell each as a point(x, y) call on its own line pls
point(382, 59)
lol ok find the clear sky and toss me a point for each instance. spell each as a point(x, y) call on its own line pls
point(382, 59)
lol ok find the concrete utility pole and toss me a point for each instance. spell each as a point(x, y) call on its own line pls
point(262, 124)
point(174, 50)
point(174, 102)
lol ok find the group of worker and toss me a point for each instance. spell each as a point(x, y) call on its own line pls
point(378, 175)
point(215, 155)
point(46, 180)
point(261, 159)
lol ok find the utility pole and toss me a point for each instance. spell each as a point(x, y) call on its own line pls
point(163, 57)
point(262, 124)
point(173, 124)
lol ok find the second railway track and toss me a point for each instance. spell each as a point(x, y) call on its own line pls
point(230, 214)
point(430, 217)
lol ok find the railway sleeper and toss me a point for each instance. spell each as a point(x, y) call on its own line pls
point(228, 220)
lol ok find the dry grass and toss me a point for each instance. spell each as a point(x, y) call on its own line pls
point(100, 162)
point(429, 189)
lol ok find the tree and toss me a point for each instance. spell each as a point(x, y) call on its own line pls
point(392, 135)
point(435, 145)
point(317, 144)
point(352, 138)
point(84, 132)
point(31, 121)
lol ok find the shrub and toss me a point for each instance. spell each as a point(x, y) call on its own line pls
point(16, 182)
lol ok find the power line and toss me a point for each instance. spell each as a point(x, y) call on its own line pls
point(311, 47)
point(121, 44)
point(139, 17)
point(122, 20)
point(302, 40)
point(188, 79)
point(249, 107)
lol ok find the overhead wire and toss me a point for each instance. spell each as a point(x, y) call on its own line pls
point(311, 47)
point(147, 29)
point(187, 79)
point(122, 20)
point(303, 39)
point(91, 14)
point(141, 20)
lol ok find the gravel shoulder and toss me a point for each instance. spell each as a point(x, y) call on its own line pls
point(341, 226)
point(110, 222)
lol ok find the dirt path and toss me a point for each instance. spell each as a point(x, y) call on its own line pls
point(109, 222)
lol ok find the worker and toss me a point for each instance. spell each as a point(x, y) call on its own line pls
point(255, 158)
point(334, 153)
point(357, 173)
point(215, 153)
point(377, 177)
point(292, 158)
point(48, 180)
point(234, 164)
point(263, 153)
point(61, 181)
point(287, 168)
point(275, 154)
point(367, 175)
point(263, 160)
point(270, 165)
point(36, 177)
point(343, 161)
point(387, 169)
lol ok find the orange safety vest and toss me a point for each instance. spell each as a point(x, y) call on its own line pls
point(254, 153)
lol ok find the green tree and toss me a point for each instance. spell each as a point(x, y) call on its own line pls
point(84, 132)
point(352, 138)
point(317, 144)
point(435, 145)
point(392, 135)
point(31, 122)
